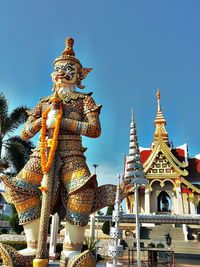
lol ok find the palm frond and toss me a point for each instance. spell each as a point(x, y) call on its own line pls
point(17, 117)
point(28, 145)
point(3, 107)
point(17, 151)
point(19, 114)
point(16, 156)
point(4, 164)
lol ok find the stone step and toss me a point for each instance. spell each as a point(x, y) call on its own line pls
point(178, 236)
point(188, 244)
point(182, 247)
point(159, 232)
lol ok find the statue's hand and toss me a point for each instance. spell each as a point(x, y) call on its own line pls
point(51, 119)
point(51, 122)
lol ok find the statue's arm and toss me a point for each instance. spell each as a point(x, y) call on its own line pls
point(33, 124)
point(90, 126)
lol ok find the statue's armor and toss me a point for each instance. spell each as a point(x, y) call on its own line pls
point(72, 179)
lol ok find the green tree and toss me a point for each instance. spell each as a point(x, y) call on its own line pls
point(14, 152)
point(106, 224)
point(14, 223)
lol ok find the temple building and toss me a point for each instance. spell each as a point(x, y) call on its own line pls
point(173, 177)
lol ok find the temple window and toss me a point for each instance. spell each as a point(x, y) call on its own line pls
point(164, 202)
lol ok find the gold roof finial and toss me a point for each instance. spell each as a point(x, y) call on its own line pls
point(158, 93)
point(160, 123)
point(158, 97)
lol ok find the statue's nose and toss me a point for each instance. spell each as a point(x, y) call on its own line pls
point(62, 72)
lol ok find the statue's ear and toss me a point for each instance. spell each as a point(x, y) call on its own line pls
point(84, 72)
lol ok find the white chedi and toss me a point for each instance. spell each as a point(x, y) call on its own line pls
point(115, 250)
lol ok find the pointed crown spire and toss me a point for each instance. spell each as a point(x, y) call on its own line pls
point(68, 53)
point(160, 123)
point(69, 42)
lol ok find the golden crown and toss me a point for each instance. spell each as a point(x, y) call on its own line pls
point(68, 53)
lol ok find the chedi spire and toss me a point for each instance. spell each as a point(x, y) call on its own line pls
point(134, 168)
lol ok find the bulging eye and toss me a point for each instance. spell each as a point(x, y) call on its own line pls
point(69, 68)
point(57, 68)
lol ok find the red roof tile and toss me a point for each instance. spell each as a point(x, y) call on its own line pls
point(179, 154)
point(144, 154)
point(193, 169)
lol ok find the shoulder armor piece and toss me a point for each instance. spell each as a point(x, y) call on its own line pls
point(29, 112)
point(73, 96)
point(89, 94)
point(83, 95)
point(96, 108)
point(76, 95)
point(44, 99)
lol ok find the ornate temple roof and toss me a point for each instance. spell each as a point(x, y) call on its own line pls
point(164, 161)
point(161, 160)
point(193, 167)
point(177, 152)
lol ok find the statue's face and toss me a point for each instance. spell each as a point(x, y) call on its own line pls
point(64, 74)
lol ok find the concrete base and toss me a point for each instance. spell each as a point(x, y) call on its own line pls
point(110, 264)
point(57, 264)
point(148, 224)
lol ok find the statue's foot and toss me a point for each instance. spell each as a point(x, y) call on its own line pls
point(82, 260)
point(63, 260)
point(12, 258)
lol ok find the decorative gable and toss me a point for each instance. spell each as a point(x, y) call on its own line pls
point(161, 166)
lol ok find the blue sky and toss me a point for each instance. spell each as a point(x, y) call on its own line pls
point(134, 47)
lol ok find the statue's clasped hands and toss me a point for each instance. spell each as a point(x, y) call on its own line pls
point(51, 118)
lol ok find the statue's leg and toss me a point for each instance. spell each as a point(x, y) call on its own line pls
point(24, 257)
point(78, 209)
point(31, 232)
point(74, 236)
point(23, 192)
point(77, 195)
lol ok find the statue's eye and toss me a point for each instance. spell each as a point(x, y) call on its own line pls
point(57, 68)
point(68, 68)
